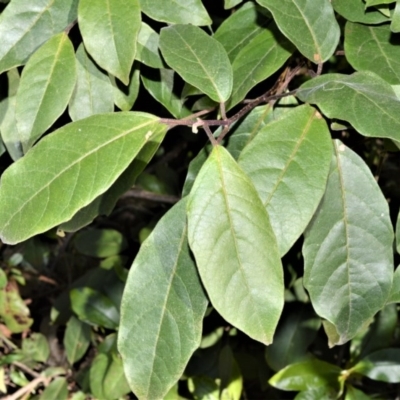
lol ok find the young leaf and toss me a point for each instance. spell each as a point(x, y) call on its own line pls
point(46, 86)
point(355, 11)
point(260, 58)
point(347, 249)
point(200, 60)
point(147, 47)
point(162, 309)
point(93, 93)
point(25, 25)
point(372, 48)
point(363, 99)
point(235, 248)
point(276, 161)
point(177, 12)
point(309, 24)
point(34, 198)
point(109, 30)
point(76, 339)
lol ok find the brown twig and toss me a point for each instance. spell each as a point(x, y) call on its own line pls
point(137, 193)
point(28, 388)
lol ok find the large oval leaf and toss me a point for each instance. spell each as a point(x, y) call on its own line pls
point(162, 309)
point(34, 198)
point(355, 11)
point(288, 162)
point(109, 29)
point(200, 60)
point(46, 86)
point(373, 48)
point(364, 99)
point(348, 248)
point(310, 24)
point(235, 248)
point(177, 12)
point(25, 25)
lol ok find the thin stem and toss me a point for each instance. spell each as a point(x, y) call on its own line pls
point(210, 135)
point(223, 110)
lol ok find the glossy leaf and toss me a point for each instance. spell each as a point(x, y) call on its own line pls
point(33, 198)
point(94, 308)
point(46, 86)
point(25, 25)
point(260, 58)
point(109, 30)
point(355, 11)
point(276, 161)
point(199, 59)
point(309, 24)
point(373, 48)
point(240, 28)
point(348, 249)
point(177, 12)
point(147, 47)
point(162, 309)
point(309, 374)
point(125, 96)
point(363, 99)
point(93, 93)
point(235, 248)
point(57, 389)
point(76, 339)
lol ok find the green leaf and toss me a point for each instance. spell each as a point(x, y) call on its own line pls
point(231, 377)
point(355, 11)
point(109, 30)
point(147, 47)
point(177, 12)
point(93, 93)
point(36, 348)
point(382, 365)
point(309, 374)
point(363, 99)
point(162, 309)
point(76, 339)
point(46, 86)
point(125, 96)
point(348, 248)
point(231, 3)
point(235, 248)
point(294, 334)
point(398, 233)
point(94, 308)
point(373, 48)
point(57, 389)
point(309, 24)
point(370, 3)
point(199, 59)
point(276, 161)
point(260, 58)
point(25, 25)
point(395, 292)
point(240, 28)
point(395, 24)
point(98, 150)
point(355, 394)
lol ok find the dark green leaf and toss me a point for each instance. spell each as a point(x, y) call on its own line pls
point(230, 375)
point(162, 309)
point(76, 339)
point(347, 250)
point(57, 389)
point(110, 29)
point(398, 233)
point(363, 99)
point(276, 161)
point(25, 25)
point(115, 384)
point(147, 47)
point(200, 60)
point(310, 24)
point(355, 11)
point(235, 248)
point(99, 149)
point(46, 86)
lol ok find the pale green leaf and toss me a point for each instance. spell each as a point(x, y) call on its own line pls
point(363, 99)
point(231, 3)
point(369, 3)
point(398, 233)
point(162, 309)
point(288, 162)
point(76, 339)
point(257, 60)
point(46, 86)
point(395, 292)
point(109, 30)
point(200, 60)
point(25, 25)
point(34, 198)
point(373, 48)
point(355, 394)
point(309, 24)
point(347, 250)
point(395, 24)
point(235, 248)
point(238, 29)
point(147, 47)
point(355, 11)
point(177, 12)
point(57, 389)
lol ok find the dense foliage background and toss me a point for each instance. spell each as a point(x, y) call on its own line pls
point(198, 199)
